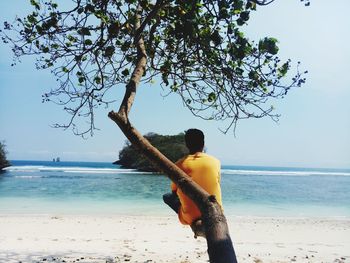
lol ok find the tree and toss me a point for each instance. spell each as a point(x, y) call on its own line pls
point(172, 146)
point(3, 160)
point(196, 48)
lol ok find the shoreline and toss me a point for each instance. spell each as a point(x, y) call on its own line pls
point(170, 215)
point(155, 207)
point(121, 238)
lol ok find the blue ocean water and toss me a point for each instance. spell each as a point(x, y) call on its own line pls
point(40, 187)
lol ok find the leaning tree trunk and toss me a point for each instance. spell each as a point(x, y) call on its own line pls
point(220, 247)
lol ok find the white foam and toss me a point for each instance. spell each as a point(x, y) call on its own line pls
point(284, 173)
point(88, 170)
point(28, 176)
point(33, 168)
point(25, 168)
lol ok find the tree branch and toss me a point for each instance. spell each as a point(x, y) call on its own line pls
point(138, 71)
point(262, 2)
point(159, 4)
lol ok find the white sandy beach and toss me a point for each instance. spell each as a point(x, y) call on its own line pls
point(71, 238)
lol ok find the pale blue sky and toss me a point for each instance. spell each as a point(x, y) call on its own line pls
point(314, 130)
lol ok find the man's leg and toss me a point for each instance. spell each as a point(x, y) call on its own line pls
point(172, 200)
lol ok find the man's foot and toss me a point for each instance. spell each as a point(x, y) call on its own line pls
point(198, 228)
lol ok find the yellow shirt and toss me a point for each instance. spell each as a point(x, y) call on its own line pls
point(205, 171)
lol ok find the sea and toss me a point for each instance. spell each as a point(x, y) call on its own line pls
point(96, 188)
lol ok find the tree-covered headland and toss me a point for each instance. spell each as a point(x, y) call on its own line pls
point(196, 49)
point(3, 160)
point(172, 146)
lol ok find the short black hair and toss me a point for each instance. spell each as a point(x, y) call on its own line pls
point(194, 140)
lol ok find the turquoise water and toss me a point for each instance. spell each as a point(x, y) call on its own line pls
point(102, 188)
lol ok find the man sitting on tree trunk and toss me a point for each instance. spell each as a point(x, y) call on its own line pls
point(205, 171)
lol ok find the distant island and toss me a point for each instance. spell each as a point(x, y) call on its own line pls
point(172, 146)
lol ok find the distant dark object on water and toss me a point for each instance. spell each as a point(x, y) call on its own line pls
point(56, 160)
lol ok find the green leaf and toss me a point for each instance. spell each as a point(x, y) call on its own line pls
point(109, 51)
point(55, 46)
point(88, 42)
point(31, 19)
point(174, 87)
point(244, 16)
point(223, 13)
point(240, 22)
point(84, 31)
point(230, 29)
point(45, 49)
point(253, 75)
point(269, 45)
point(165, 79)
point(72, 39)
point(97, 80)
point(162, 13)
point(129, 58)
point(113, 29)
point(239, 71)
point(216, 38)
point(35, 4)
point(251, 5)
point(211, 97)
point(101, 15)
point(89, 8)
point(282, 71)
point(237, 6)
point(125, 46)
point(39, 29)
point(125, 72)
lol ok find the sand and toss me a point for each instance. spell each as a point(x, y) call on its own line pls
point(120, 238)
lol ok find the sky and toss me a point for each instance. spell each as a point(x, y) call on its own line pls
point(313, 131)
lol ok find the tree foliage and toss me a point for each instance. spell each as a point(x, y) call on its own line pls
point(172, 146)
point(196, 49)
point(3, 160)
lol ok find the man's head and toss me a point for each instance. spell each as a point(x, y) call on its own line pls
point(194, 139)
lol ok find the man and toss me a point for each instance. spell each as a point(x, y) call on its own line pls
point(203, 169)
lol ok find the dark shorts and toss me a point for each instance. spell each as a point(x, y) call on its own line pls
point(172, 200)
